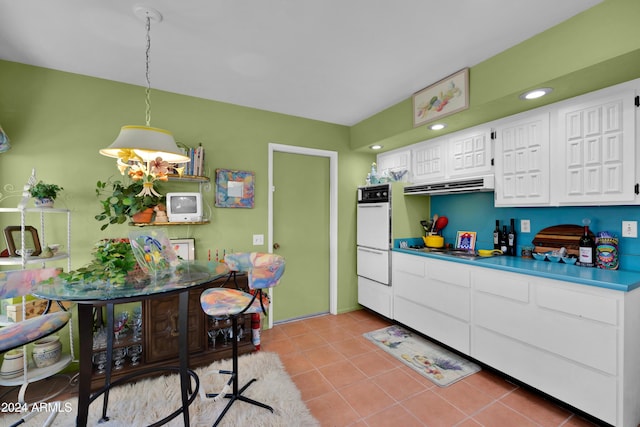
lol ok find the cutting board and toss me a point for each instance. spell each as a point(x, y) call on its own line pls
point(558, 236)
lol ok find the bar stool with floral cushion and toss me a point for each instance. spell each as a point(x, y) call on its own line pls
point(264, 271)
point(20, 283)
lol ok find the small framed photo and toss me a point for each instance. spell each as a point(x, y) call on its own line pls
point(234, 189)
point(445, 97)
point(12, 235)
point(466, 240)
point(184, 248)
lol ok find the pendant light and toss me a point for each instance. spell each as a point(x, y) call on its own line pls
point(147, 143)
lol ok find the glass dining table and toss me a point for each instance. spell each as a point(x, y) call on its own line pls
point(99, 294)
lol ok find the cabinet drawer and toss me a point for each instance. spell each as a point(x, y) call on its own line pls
point(452, 332)
point(448, 272)
point(585, 305)
point(511, 286)
point(586, 389)
point(592, 344)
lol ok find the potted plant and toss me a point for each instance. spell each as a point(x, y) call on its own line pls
point(120, 203)
point(44, 194)
point(113, 261)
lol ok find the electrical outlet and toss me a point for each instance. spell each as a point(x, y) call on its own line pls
point(630, 229)
point(525, 226)
point(258, 239)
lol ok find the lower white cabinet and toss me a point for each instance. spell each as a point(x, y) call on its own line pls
point(577, 343)
point(375, 296)
point(574, 342)
point(433, 298)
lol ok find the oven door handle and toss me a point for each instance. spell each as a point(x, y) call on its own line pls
point(372, 251)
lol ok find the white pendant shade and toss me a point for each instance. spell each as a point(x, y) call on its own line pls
point(148, 143)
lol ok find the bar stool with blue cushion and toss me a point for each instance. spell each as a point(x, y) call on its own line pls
point(263, 272)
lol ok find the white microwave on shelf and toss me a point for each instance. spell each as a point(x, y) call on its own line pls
point(184, 207)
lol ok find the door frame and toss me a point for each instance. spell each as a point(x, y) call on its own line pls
point(333, 213)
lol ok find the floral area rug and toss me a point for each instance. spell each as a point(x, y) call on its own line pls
point(430, 360)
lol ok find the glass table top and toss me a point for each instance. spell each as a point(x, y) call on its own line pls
point(183, 276)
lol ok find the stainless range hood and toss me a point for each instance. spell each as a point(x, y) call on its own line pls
point(454, 186)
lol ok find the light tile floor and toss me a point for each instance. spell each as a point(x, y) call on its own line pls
point(347, 381)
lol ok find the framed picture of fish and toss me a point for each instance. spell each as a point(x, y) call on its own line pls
point(441, 99)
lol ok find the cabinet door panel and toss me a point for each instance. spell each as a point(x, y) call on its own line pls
point(522, 161)
point(596, 149)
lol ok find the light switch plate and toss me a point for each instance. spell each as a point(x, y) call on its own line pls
point(630, 229)
point(258, 239)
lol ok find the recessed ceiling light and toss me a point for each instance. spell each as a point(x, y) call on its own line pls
point(375, 147)
point(438, 126)
point(536, 93)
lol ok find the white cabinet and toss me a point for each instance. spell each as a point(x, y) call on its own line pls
point(461, 154)
point(595, 148)
point(433, 298)
point(428, 160)
point(522, 161)
point(574, 342)
point(395, 161)
point(470, 152)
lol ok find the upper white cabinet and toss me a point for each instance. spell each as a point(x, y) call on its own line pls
point(394, 161)
point(595, 148)
point(429, 160)
point(469, 152)
point(522, 160)
point(458, 155)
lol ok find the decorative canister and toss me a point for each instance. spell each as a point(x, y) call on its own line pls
point(47, 351)
point(607, 251)
point(13, 364)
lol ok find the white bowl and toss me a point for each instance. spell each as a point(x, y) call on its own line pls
point(13, 364)
point(47, 351)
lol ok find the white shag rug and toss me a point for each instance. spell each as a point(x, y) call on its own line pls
point(149, 400)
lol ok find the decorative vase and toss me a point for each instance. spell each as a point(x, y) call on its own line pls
point(13, 364)
point(46, 202)
point(47, 351)
point(143, 216)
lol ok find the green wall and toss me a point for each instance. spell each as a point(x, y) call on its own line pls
point(597, 48)
point(58, 121)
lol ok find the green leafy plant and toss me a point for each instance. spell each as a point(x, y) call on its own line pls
point(45, 191)
point(113, 261)
point(119, 202)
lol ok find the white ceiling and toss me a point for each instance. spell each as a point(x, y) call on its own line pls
point(338, 61)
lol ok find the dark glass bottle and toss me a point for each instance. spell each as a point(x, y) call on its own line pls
point(503, 240)
point(496, 235)
point(511, 239)
point(587, 249)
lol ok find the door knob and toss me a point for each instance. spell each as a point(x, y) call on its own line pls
point(276, 246)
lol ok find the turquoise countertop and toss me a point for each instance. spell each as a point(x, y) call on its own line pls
point(618, 280)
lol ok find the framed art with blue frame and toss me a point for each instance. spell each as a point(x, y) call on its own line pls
point(234, 188)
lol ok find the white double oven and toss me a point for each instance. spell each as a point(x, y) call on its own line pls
point(374, 244)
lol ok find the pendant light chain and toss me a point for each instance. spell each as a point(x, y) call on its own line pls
point(147, 74)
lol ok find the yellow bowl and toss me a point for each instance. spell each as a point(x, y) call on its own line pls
point(433, 241)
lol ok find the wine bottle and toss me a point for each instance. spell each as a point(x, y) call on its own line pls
point(503, 240)
point(511, 239)
point(587, 246)
point(496, 235)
